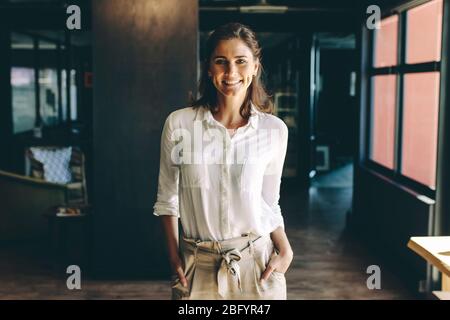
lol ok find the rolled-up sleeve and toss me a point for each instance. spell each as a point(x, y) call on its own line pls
point(272, 178)
point(167, 198)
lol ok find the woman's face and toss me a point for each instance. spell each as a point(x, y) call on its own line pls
point(232, 67)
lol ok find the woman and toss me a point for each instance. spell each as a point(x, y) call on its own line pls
point(220, 174)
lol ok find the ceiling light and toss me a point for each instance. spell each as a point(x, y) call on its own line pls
point(263, 9)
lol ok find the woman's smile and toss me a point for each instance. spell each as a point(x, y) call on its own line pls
point(232, 84)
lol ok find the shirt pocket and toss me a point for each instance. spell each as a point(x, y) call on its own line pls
point(194, 176)
point(251, 174)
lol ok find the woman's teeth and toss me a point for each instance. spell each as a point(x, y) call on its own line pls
point(231, 83)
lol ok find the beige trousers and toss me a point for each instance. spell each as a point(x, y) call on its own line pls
point(229, 269)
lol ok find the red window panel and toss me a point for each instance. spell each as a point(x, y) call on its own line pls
point(420, 127)
point(383, 120)
point(386, 42)
point(424, 32)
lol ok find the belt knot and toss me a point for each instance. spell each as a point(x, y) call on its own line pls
point(229, 266)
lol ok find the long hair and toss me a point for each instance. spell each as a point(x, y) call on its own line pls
point(256, 92)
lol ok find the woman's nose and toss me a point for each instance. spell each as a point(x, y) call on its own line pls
point(231, 69)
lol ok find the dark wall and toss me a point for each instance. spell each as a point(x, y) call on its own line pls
point(145, 63)
point(385, 216)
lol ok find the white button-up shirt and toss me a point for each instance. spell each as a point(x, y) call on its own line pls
point(221, 186)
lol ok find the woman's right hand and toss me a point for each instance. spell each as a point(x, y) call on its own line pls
point(177, 267)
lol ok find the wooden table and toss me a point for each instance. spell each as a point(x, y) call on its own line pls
point(436, 251)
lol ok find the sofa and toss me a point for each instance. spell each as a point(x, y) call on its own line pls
point(23, 201)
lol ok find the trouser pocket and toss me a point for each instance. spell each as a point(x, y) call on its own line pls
point(178, 290)
point(275, 286)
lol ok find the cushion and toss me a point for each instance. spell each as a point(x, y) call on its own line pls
point(56, 163)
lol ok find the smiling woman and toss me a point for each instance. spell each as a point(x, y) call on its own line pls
point(232, 67)
point(233, 242)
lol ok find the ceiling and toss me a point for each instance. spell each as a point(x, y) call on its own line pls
point(299, 4)
point(231, 3)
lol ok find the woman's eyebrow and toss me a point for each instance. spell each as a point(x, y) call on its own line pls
point(222, 57)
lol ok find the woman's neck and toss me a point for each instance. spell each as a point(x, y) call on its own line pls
point(228, 111)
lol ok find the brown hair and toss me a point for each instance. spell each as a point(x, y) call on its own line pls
point(256, 92)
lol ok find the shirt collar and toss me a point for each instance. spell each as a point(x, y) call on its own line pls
point(204, 114)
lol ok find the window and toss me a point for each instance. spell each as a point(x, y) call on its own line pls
point(404, 107)
point(41, 100)
point(386, 39)
point(73, 95)
point(48, 85)
point(384, 94)
point(420, 124)
point(424, 32)
point(23, 98)
point(383, 120)
point(23, 89)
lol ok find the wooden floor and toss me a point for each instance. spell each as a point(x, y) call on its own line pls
point(328, 263)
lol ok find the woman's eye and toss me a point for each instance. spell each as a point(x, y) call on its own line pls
point(220, 61)
point(241, 61)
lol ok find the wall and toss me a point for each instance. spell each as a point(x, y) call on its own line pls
point(384, 217)
point(144, 64)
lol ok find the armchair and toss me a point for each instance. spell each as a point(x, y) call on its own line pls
point(75, 188)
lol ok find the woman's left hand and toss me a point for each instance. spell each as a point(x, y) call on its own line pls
point(278, 263)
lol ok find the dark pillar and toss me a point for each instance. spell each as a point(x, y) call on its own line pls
point(6, 125)
point(37, 96)
point(144, 64)
point(68, 66)
point(442, 221)
point(305, 116)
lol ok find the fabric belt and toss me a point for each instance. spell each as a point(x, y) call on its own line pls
point(229, 267)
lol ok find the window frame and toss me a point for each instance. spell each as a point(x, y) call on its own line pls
point(400, 70)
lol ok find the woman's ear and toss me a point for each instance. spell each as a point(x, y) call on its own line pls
point(256, 68)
